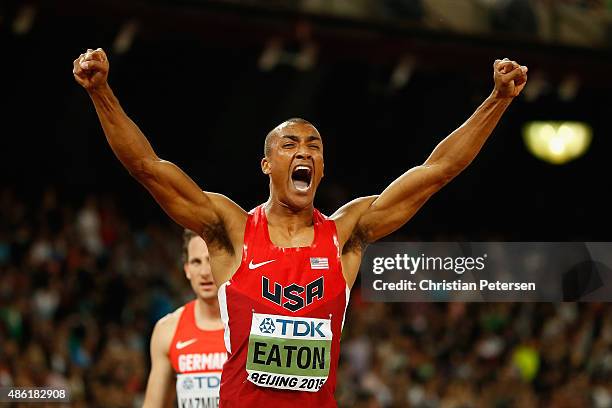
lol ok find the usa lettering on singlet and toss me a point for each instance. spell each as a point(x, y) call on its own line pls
point(197, 357)
point(283, 312)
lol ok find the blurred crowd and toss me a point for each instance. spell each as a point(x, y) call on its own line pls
point(79, 294)
point(572, 22)
point(459, 355)
point(81, 288)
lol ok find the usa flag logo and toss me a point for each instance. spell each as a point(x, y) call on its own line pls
point(319, 263)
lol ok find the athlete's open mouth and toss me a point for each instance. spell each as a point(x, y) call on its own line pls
point(301, 177)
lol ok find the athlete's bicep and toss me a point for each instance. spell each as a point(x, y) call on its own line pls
point(176, 193)
point(208, 214)
point(401, 200)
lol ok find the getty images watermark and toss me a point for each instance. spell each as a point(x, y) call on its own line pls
point(487, 271)
point(458, 265)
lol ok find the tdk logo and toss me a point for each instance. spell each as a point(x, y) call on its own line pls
point(292, 297)
point(267, 326)
point(202, 382)
point(300, 328)
point(188, 383)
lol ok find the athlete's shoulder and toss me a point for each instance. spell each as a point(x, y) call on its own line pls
point(347, 217)
point(225, 203)
point(354, 207)
point(163, 332)
point(231, 211)
point(169, 322)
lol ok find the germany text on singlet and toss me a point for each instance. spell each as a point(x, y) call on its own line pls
point(198, 357)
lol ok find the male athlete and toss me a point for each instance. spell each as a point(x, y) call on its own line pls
point(190, 340)
point(284, 270)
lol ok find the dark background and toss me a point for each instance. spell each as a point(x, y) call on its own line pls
point(191, 82)
point(89, 263)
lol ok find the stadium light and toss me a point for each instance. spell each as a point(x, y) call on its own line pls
point(125, 37)
point(557, 142)
point(402, 72)
point(537, 86)
point(569, 87)
point(24, 20)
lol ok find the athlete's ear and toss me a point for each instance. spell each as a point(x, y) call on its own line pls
point(266, 166)
point(186, 269)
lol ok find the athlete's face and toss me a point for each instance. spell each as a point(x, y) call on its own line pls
point(295, 163)
point(197, 269)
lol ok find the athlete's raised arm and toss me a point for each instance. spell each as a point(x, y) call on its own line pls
point(214, 216)
point(371, 218)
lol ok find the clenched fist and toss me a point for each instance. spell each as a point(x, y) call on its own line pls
point(510, 78)
point(91, 69)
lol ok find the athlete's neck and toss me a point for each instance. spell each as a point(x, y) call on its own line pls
point(291, 220)
point(207, 314)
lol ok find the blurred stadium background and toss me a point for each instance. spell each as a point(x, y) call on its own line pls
point(88, 262)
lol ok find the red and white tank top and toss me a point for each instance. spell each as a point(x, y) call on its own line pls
point(198, 357)
point(283, 312)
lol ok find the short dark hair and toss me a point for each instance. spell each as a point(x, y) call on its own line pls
point(188, 235)
point(268, 142)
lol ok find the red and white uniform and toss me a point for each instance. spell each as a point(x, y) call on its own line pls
point(197, 357)
point(283, 312)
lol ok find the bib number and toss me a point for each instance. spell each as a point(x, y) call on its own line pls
point(291, 353)
point(198, 390)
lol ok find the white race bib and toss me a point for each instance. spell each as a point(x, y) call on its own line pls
point(291, 353)
point(198, 390)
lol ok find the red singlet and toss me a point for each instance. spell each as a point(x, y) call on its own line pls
point(283, 312)
point(197, 357)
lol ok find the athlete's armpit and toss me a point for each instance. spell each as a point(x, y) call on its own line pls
point(347, 218)
point(357, 242)
point(226, 232)
point(217, 237)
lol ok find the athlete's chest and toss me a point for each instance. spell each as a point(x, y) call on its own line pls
point(294, 279)
point(282, 238)
point(196, 350)
point(291, 279)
